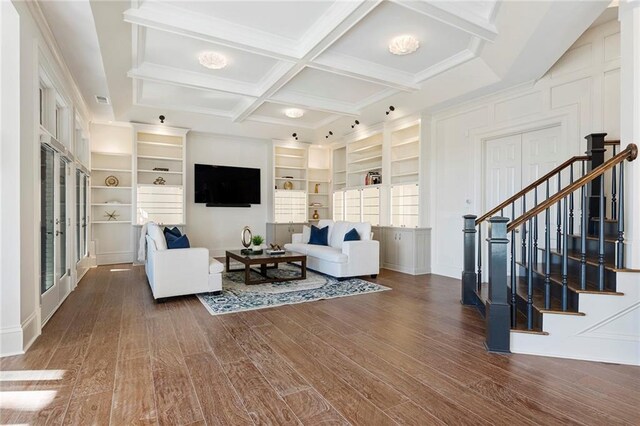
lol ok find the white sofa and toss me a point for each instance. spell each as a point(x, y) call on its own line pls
point(341, 258)
point(177, 272)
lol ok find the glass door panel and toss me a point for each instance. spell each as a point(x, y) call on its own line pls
point(61, 221)
point(47, 218)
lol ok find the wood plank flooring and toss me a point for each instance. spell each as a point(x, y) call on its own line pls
point(409, 356)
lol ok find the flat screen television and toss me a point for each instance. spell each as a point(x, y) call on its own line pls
point(225, 186)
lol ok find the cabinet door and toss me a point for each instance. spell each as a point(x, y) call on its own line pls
point(390, 246)
point(406, 249)
point(283, 235)
point(379, 235)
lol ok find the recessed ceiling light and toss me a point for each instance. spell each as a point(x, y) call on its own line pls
point(294, 113)
point(403, 45)
point(212, 60)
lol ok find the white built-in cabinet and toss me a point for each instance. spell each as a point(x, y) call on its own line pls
point(281, 233)
point(404, 249)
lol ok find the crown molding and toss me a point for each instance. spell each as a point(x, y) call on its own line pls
point(42, 24)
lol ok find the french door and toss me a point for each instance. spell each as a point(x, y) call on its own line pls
point(55, 223)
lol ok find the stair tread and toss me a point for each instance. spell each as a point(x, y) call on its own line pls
point(590, 237)
point(572, 283)
point(538, 298)
point(575, 255)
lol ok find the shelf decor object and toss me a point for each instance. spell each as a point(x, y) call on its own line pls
point(288, 185)
point(111, 215)
point(111, 181)
point(159, 181)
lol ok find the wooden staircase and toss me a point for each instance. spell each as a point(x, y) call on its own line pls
point(556, 271)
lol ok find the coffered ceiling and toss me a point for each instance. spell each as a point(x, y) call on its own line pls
point(328, 58)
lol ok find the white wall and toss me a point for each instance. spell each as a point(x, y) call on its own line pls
point(35, 46)
point(10, 322)
point(219, 228)
point(581, 92)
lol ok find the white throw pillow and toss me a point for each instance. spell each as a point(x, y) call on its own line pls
point(337, 236)
point(363, 228)
point(156, 234)
point(326, 222)
point(306, 234)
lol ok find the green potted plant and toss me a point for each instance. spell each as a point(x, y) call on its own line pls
point(257, 241)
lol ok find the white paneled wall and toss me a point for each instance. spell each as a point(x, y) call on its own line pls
point(580, 93)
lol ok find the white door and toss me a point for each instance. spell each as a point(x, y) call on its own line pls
point(54, 231)
point(513, 162)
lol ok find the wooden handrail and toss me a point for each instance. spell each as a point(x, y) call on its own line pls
point(519, 194)
point(613, 142)
point(630, 153)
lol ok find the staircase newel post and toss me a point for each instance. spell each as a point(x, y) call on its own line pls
point(498, 309)
point(468, 296)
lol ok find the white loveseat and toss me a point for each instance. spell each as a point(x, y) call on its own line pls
point(340, 258)
point(177, 272)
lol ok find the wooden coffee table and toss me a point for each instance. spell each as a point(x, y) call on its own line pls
point(266, 262)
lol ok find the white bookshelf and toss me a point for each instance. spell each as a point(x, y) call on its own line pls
point(112, 238)
point(163, 148)
point(363, 156)
point(290, 173)
point(405, 155)
point(339, 168)
point(319, 183)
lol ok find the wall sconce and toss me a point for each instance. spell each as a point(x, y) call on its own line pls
point(162, 117)
point(295, 135)
point(391, 109)
point(355, 124)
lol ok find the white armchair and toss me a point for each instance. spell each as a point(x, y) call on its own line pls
point(177, 272)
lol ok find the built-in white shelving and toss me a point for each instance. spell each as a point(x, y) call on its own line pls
point(160, 193)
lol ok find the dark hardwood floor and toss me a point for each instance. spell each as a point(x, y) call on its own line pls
point(413, 355)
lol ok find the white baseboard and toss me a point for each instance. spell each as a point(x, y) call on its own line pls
point(11, 341)
point(113, 258)
point(404, 270)
point(30, 330)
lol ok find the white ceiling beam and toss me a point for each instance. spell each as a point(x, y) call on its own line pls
point(366, 71)
point(325, 40)
point(194, 80)
point(165, 17)
point(455, 15)
point(304, 101)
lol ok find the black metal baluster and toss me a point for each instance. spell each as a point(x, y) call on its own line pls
point(479, 274)
point(547, 255)
point(565, 257)
point(530, 282)
point(514, 277)
point(601, 238)
point(583, 236)
point(524, 230)
point(571, 201)
point(502, 212)
point(620, 240)
point(559, 217)
point(535, 228)
point(614, 210)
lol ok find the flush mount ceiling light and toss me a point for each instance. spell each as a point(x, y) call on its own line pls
point(403, 45)
point(212, 60)
point(294, 113)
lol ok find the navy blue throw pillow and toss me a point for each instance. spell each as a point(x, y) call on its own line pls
point(352, 235)
point(319, 236)
point(174, 242)
point(174, 231)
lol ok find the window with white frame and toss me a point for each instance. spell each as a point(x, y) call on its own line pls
point(352, 205)
point(290, 206)
point(338, 206)
point(405, 205)
point(371, 205)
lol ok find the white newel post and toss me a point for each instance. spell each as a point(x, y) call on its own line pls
point(629, 16)
point(11, 340)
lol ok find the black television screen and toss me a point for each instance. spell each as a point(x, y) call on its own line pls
point(226, 186)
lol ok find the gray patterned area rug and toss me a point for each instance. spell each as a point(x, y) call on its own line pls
point(238, 297)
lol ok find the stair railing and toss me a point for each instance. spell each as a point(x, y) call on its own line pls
point(501, 310)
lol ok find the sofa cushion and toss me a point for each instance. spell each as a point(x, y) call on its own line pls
point(326, 222)
point(215, 267)
point(363, 228)
point(327, 253)
point(297, 247)
point(319, 236)
point(180, 242)
point(337, 235)
point(156, 234)
point(352, 235)
point(306, 234)
point(173, 231)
